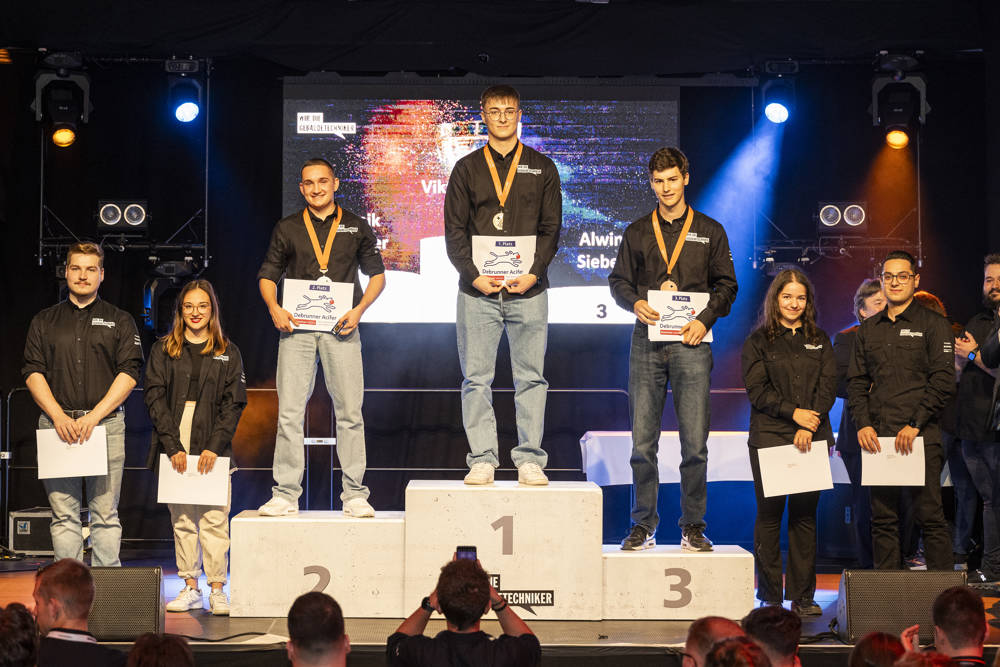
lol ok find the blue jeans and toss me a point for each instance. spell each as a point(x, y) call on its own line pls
point(687, 369)
point(299, 353)
point(965, 494)
point(983, 462)
point(66, 497)
point(479, 323)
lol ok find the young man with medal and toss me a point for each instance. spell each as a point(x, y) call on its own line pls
point(698, 261)
point(295, 253)
point(505, 196)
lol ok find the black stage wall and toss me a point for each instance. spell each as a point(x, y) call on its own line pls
point(132, 144)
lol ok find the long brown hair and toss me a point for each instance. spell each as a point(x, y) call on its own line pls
point(770, 314)
point(217, 342)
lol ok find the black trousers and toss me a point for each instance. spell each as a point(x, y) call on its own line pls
point(927, 510)
point(800, 579)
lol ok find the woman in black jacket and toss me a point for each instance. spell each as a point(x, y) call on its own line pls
point(791, 381)
point(195, 392)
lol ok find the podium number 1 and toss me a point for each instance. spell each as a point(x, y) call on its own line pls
point(505, 523)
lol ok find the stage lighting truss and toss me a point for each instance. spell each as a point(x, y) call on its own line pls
point(62, 102)
point(899, 106)
point(122, 217)
point(842, 218)
point(778, 96)
point(184, 88)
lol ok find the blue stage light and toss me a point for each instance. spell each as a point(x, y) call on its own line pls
point(776, 112)
point(186, 112)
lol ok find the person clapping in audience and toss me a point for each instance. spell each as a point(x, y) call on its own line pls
point(876, 649)
point(791, 380)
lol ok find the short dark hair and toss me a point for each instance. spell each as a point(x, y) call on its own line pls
point(315, 624)
point(463, 590)
point(153, 650)
point(18, 636)
point(668, 157)
point(708, 630)
point(737, 652)
point(876, 649)
point(777, 628)
point(86, 248)
point(500, 92)
point(960, 614)
point(992, 258)
point(318, 162)
point(901, 254)
point(70, 582)
point(867, 288)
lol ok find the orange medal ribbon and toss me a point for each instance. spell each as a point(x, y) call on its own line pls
point(669, 285)
point(322, 256)
point(502, 193)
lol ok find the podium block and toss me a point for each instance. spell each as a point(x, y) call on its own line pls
point(667, 583)
point(541, 545)
point(359, 562)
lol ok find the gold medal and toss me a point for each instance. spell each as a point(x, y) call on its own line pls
point(498, 220)
point(669, 286)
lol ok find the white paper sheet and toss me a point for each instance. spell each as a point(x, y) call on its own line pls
point(57, 459)
point(890, 468)
point(785, 470)
point(676, 309)
point(316, 304)
point(503, 257)
point(192, 487)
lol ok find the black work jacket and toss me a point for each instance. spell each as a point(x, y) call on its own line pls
point(221, 397)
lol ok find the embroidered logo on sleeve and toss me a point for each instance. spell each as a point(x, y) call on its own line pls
point(910, 334)
point(99, 322)
point(947, 348)
point(137, 340)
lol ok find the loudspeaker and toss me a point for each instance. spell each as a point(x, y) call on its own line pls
point(890, 601)
point(128, 603)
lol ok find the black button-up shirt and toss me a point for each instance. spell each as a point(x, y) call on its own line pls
point(990, 354)
point(902, 370)
point(705, 264)
point(291, 253)
point(843, 350)
point(80, 351)
point(975, 389)
point(783, 374)
point(533, 208)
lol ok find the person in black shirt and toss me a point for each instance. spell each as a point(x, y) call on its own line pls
point(348, 244)
point(82, 358)
point(704, 265)
point(900, 377)
point(316, 632)
point(63, 594)
point(195, 392)
point(791, 380)
point(463, 595)
point(527, 207)
point(868, 301)
point(975, 427)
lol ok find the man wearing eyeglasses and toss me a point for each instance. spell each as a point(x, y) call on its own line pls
point(901, 373)
point(504, 196)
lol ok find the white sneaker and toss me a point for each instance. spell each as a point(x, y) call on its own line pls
point(530, 474)
point(218, 602)
point(480, 474)
point(187, 599)
point(277, 507)
point(358, 508)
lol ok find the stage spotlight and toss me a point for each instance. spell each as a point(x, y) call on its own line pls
point(62, 100)
point(184, 89)
point(842, 217)
point(779, 99)
point(119, 217)
point(899, 107)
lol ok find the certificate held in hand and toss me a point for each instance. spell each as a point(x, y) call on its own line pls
point(192, 487)
point(676, 309)
point(786, 470)
point(890, 468)
point(59, 459)
point(316, 304)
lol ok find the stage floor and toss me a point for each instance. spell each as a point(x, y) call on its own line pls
point(219, 640)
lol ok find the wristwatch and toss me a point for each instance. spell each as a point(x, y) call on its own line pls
point(972, 355)
point(912, 424)
point(426, 605)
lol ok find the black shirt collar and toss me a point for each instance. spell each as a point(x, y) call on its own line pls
point(498, 156)
point(75, 308)
point(907, 314)
point(671, 222)
point(312, 216)
point(790, 332)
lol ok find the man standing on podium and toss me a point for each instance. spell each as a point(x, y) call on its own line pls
point(699, 261)
point(295, 253)
point(507, 190)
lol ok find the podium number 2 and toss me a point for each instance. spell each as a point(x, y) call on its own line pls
point(681, 587)
point(506, 524)
point(322, 573)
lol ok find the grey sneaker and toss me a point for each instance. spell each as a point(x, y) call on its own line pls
point(693, 539)
point(638, 539)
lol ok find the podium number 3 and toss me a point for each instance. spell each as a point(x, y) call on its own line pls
point(506, 524)
point(322, 573)
point(681, 587)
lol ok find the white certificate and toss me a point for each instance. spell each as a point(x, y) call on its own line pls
point(503, 257)
point(58, 459)
point(191, 487)
point(890, 468)
point(676, 309)
point(785, 469)
point(317, 304)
